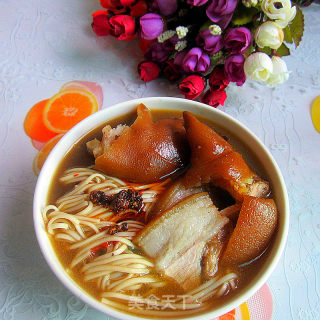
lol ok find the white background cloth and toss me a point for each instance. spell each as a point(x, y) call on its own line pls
point(44, 44)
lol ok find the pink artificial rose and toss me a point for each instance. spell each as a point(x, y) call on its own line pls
point(221, 11)
point(237, 40)
point(233, 68)
point(209, 42)
point(197, 3)
point(196, 60)
point(157, 52)
point(151, 26)
point(148, 70)
point(192, 86)
point(214, 98)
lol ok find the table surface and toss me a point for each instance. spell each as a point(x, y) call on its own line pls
point(47, 43)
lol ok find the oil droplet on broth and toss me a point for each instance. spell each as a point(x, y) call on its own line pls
point(315, 113)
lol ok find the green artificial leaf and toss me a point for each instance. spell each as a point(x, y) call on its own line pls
point(287, 35)
point(266, 50)
point(249, 51)
point(283, 51)
point(205, 26)
point(215, 58)
point(243, 15)
point(297, 27)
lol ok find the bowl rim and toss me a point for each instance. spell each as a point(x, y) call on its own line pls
point(101, 117)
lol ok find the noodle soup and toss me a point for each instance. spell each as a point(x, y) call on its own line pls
point(158, 246)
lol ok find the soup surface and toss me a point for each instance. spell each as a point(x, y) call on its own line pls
point(89, 233)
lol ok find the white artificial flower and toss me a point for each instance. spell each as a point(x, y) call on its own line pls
point(279, 10)
point(258, 66)
point(166, 36)
point(269, 34)
point(280, 72)
point(180, 45)
point(215, 30)
point(249, 3)
point(181, 31)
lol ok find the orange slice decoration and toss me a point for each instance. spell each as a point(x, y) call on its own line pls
point(229, 316)
point(92, 87)
point(66, 108)
point(34, 126)
point(42, 155)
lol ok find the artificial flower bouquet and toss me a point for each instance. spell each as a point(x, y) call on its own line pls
point(206, 44)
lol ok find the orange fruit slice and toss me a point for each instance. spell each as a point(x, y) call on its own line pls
point(92, 87)
point(229, 316)
point(66, 108)
point(34, 126)
point(42, 155)
point(37, 144)
point(315, 113)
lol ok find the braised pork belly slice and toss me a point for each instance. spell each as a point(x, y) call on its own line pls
point(171, 196)
point(213, 251)
point(194, 219)
point(186, 269)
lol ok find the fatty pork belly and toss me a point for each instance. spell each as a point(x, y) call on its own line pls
point(213, 160)
point(145, 152)
point(177, 238)
point(173, 194)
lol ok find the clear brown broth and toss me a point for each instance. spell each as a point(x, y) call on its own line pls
point(78, 156)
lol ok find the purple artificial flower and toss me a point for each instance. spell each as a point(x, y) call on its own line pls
point(237, 40)
point(178, 60)
point(197, 3)
point(170, 43)
point(151, 26)
point(233, 68)
point(164, 7)
point(157, 52)
point(209, 42)
point(221, 11)
point(196, 61)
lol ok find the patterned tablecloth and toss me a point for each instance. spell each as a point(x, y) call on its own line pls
point(44, 44)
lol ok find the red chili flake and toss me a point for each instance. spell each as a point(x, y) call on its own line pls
point(127, 199)
point(123, 200)
point(75, 175)
point(100, 249)
point(115, 228)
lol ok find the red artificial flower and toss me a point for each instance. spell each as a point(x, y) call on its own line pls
point(100, 24)
point(145, 44)
point(218, 79)
point(214, 98)
point(139, 9)
point(192, 86)
point(171, 71)
point(122, 27)
point(148, 70)
point(116, 6)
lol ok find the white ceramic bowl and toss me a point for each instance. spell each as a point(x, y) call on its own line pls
point(219, 117)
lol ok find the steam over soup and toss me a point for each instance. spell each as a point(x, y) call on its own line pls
point(157, 214)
